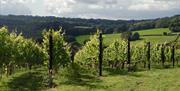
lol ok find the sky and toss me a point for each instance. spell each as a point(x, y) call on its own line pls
point(104, 9)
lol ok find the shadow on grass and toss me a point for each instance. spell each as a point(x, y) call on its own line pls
point(84, 80)
point(178, 65)
point(93, 82)
point(138, 39)
point(79, 78)
point(135, 74)
point(123, 72)
point(166, 66)
point(30, 81)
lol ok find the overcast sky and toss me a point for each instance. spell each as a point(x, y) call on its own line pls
point(106, 9)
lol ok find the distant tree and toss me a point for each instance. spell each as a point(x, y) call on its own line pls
point(32, 26)
point(141, 25)
point(126, 35)
point(129, 35)
point(165, 33)
point(135, 36)
point(115, 32)
point(175, 24)
point(175, 27)
point(69, 38)
point(162, 23)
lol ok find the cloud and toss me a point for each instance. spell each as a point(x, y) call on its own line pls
point(16, 1)
point(14, 7)
point(155, 5)
point(85, 8)
point(59, 6)
point(110, 9)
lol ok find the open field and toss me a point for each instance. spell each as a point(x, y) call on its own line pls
point(153, 80)
point(152, 35)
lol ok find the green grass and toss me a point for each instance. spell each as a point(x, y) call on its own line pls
point(23, 81)
point(153, 80)
point(155, 36)
point(153, 31)
point(82, 27)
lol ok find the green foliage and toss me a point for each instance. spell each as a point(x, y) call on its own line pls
point(27, 50)
point(156, 53)
point(61, 49)
point(116, 52)
point(177, 55)
point(165, 33)
point(162, 23)
point(175, 27)
point(87, 56)
point(142, 25)
point(135, 36)
point(32, 26)
point(5, 46)
point(139, 53)
point(130, 36)
point(126, 35)
point(167, 52)
point(16, 49)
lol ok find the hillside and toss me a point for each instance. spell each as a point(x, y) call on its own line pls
point(32, 26)
point(152, 35)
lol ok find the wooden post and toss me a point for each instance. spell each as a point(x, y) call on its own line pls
point(149, 55)
point(172, 55)
point(128, 56)
point(162, 55)
point(146, 55)
point(50, 58)
point(100, 54)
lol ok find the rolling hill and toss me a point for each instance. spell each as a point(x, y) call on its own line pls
point(152, 35)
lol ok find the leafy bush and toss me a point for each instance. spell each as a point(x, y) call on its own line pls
point(115, 53)
point(61, 49)
point(126, 35)
point(87, 56)
point(130, 36)
point(16, 50)
point(165, 33)
point(135, 36)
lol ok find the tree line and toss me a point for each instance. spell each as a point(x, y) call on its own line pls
point(32, 26)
